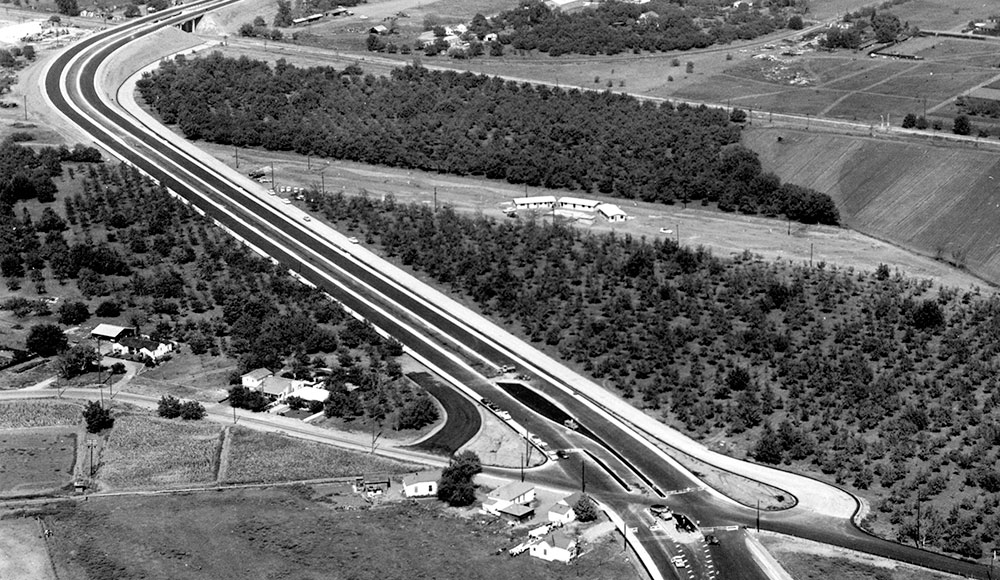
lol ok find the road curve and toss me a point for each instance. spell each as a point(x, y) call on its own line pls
point(392, 304)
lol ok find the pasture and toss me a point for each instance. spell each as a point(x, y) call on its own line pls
point(36, 461)
point(23, 553)
point(256, 457)
point(286, 533)
point(28, 413)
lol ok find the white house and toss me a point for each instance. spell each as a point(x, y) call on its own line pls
point(422, 484)
point(111, 332)
point(277, 388)
point(562, 512)
point(516, 493)
point(254, 378)
point(538, 202)
point(555, 547)
point(144, 347)
point(611, 212)
point(578, 203)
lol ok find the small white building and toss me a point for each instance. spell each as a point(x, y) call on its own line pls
point(310, 393)
point(555, 547)
point(144, 347)
point(562, 512)
point(277, 388)
point(422, 484)
point(255, 378)
point(578, 203)
point(516, 493)
point(537, 202)
point(111, 332)
point(611, 212)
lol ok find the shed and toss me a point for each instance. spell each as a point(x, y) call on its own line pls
point(517, 512)
point(537, 202)
point(111, 332)
point(611, 212)
point(578, 203)
point(421, 484)
point(379, 29)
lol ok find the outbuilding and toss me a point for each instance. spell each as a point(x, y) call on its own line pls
point(555, 547)
point(516, 493)
point(537, 202)
point(578, 203)
point(422, 484)
point(611, 212)
point(111, 332)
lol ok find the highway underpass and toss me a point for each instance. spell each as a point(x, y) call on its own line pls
point(424, 330)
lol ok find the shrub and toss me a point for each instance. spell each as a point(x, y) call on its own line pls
point(97, 417)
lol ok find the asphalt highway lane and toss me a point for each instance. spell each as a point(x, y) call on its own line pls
point(184, 176)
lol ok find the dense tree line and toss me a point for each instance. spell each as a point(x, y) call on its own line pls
point(614, 27)
point(874, 380)
point(476, 125)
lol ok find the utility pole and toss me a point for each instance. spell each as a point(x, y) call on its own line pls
point(758, 516)
point(583, 476)
point(234, 414)
point(274, 184)
point(91, 443)
point(435, 199)
point(916, 541)
point(810, 255)
point(237, 156)
point(25, 107)
point(522, 467)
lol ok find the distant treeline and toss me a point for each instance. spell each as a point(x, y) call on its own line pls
point(476, 125)
point(615, 27)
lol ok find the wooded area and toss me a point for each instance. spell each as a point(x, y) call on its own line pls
point(615, 27)
point(871, 379)
point(476, 125)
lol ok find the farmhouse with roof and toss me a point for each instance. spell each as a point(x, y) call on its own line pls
point(555, 547)
point(562, 512)
point(517, 493)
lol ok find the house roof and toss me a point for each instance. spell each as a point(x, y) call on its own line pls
point(257, 374)
point(139, 343)
point(276, 385)
point(610, 209)
point(558, 539)
point(511, 491)
point(422, 477)
point(578, 201)
point(536, 199)
point(560, 509)
point(109, 331)
point(311, 394)
point(571, 499)
point(517, 510)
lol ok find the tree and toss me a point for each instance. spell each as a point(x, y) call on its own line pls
point(585, 509)
point(46, 340)
point(921, 123)
point(192, 411)
point(909, 121)
point(97, 417)
point(417, 413)
point(283, 17)
point(131, 11)
point(738, 116)
point(244, 398)
point(77, 360)
point(67, 7)
point(71, 313)
point(962, 126)
point(108, 309)
point(169, 407)
point(768, 447)
point(28, 51)
point(456, 485)
point(795, 22)
point(886, 26)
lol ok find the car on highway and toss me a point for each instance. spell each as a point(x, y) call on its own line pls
point(353, 240)
point(307, 218)
point(679, 562)
point(286, 201)
point(656, 528)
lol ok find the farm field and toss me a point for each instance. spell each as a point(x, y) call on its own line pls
point(150, 452)
point(36, 461)
point(21, 414)
point(255, 457)
point(937, 201)
point(284, 533)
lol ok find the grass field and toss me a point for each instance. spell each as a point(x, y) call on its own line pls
point(806, 560)
point(935, 200)
point(36, 461)
point(281, 533)
point(149, 452)
point(266, 457)
point(23, 553)
point(19, 414)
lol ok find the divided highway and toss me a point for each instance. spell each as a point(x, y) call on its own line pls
point(427, 326)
